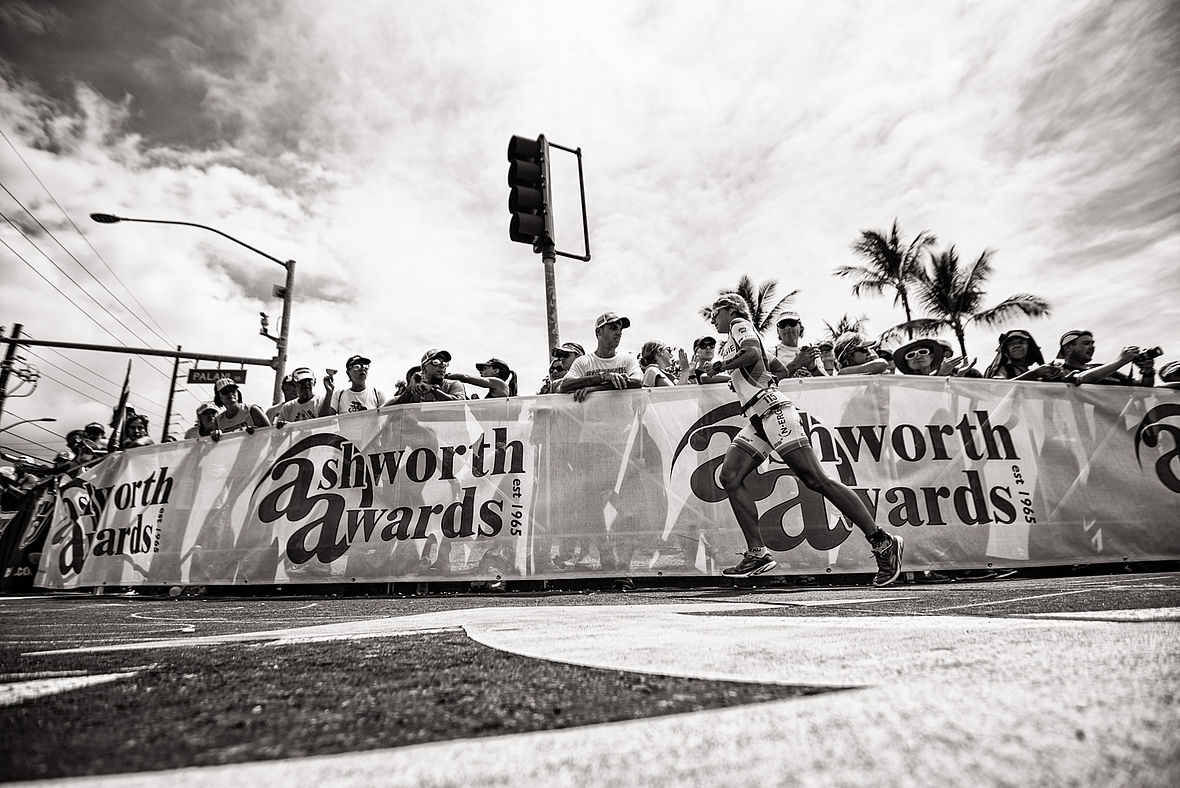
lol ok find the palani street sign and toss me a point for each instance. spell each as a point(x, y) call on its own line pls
point(211, 376)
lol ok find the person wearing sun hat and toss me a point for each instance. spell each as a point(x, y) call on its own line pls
point(927, 357)
point(306, 404)
point(855, 356)
point(1016, 353)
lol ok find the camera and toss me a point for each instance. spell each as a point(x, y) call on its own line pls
point(1148, 354)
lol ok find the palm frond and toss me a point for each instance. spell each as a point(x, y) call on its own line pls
point(1023, 303)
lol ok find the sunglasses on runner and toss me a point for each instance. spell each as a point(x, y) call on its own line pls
point(917, 353)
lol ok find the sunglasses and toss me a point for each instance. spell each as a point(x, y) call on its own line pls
point(438, 362)
point(825, 348)
point(359, 366)
point(788, 323)
point(917, 353)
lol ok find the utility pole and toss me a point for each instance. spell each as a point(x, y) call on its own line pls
point(171, 395)
point(6, 366)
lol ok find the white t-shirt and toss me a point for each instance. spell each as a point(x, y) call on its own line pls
point(746, 381)
point(785, 353)
point(294, 410)
point(349, 401)
point(592, 363)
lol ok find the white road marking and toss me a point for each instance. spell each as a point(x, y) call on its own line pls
point(1008, 601)
point(40, 674)
point(12, 694)
point(828, 602)
point(1140, 614)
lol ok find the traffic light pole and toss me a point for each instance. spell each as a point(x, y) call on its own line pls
point(548, 258)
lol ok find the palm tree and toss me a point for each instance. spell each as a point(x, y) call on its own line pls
point(845, 325)
point(953, 298)
point(889, 264)
point(762, 314)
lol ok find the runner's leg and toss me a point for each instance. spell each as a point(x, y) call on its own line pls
point(803, 462)
point(738, 464)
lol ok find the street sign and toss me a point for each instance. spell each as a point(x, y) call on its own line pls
point(211, 376)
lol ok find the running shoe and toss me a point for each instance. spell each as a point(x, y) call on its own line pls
point(750, 565)
point(888, 558)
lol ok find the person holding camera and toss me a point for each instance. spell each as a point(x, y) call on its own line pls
point(1074, 363)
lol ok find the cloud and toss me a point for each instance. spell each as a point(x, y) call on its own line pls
point(368, 144)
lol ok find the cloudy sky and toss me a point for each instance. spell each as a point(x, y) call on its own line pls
point(367, 141)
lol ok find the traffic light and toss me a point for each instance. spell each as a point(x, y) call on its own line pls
point(529, 198)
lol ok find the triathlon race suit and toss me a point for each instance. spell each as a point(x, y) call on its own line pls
point(774, 422)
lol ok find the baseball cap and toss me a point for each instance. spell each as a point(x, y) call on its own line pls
point(356, 360)
point(206, 406)
point(705, 340)
point(1168, 370)
point(63, 456)
point(569, 347)
point(494, 362)
point(611, 317)
point(789, 316)
point(224, 383)
point(1070, 336)
point(732, 301)
point(299, 375)
point(436, 353)
point(94, 426)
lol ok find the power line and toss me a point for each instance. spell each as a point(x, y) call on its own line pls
point(101, 284)
point(35, 424)
point(72, 301)
point(83, 235)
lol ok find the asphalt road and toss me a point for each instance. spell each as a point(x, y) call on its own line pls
point(1055, 681)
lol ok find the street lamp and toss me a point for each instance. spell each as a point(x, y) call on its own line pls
point(26, 421)
point(284, 291)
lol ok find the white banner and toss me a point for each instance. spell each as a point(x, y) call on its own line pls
point(973, 473)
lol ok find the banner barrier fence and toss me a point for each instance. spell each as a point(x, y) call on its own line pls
point(973, 473)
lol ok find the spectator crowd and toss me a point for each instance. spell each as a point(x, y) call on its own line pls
point(574, 370)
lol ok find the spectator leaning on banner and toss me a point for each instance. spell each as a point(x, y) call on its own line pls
point(235, 416)
point(430, 384)
point(927, 357)
point(290, 392)
point(1170, 376)
point(564, 356)
point(135, 432)
point(700, 367)
point(206, 422)
point(358, 396)
point(306, 405)
point(655, 359)
point(800, 362)
point(557, 371)
point(603, 370)
point(494, 375)
point(856, 357)
point(1076, 355)
point(1016, 353)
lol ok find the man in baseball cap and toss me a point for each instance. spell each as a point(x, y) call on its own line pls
point(206, 422)
point(434, 385)
point(603, 369)
point(359, 395)
point(610, 317)
point(306, 404)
